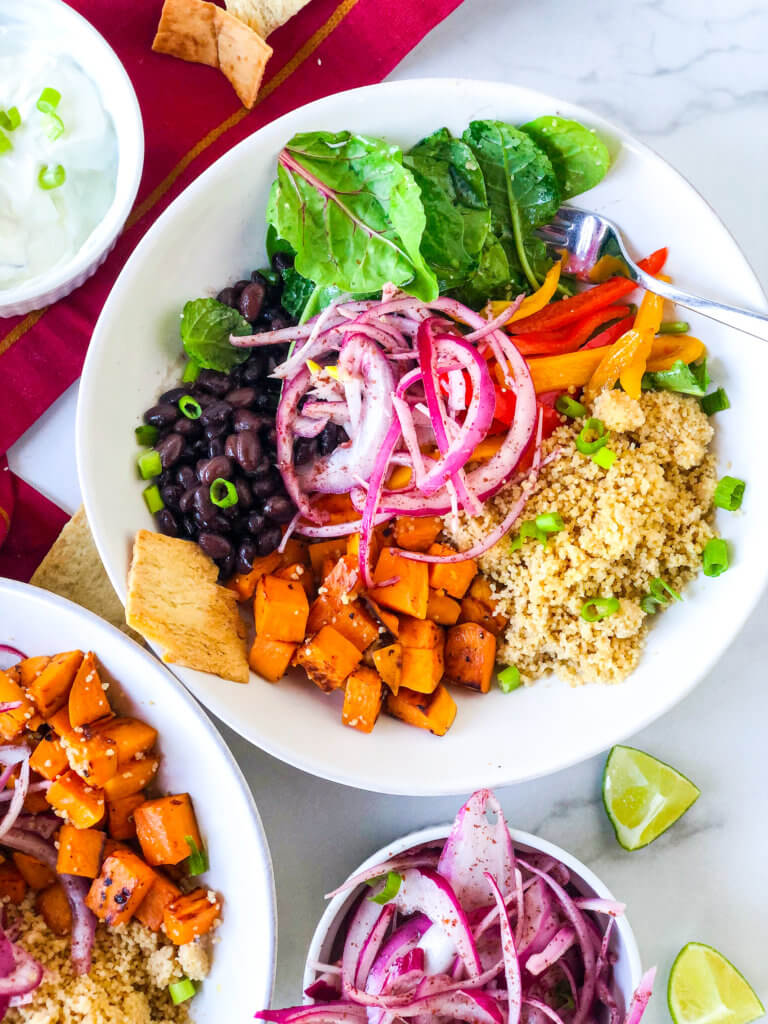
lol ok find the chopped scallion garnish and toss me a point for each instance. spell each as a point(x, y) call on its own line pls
point(190, 407)
point(10, 119)
point(570, 407)
point(605, 458)
point(658, 596)
point(197, 862)
point(149, 464)
point(51, 177)
point(153, 498)
point(146, 434)
point(717, 401)
point(223, 493)
point(549, 522)
point(181, 991)
point(390, 890)
point(191, 372)
point(714, 557)
point(5, 143)
point(674, 327)
point(509, 679)
point(591, 437)
point(597, 608)
point(49, 99)
point(729, 493)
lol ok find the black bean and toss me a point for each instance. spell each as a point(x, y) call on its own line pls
point(217, 412)
point(304, 450)
point(202, 397)
point(166, 520)
point(187, 428)
point(263, 469)
point(240, 397)
point(252, 370)
point(214, 545)
point(252, 299)
point(186, 477)
point(209, 470)
point(228, 297)
point(172, 397)
point(238, 287)
point(268, 539)
point(266, 402)
point(215, 430)
point(186, 501)
point(245, 449)
point(226, 566)
point(246, 553)
point(165, 478)
point(279, 508)
point(216, 447)
point(171, 495)
point(263, 487)
point(213, 523)
point(161, 415)
point(202, 500)
point(327, 439)
point(244, 419)
point(214, 381)
point(170, 448)
point(282, 261)
point(244, 496)
point(277, 319)
point(269, 436)
point(255, 523)
point(189, 526)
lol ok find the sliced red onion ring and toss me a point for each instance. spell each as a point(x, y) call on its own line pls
point(415, 859)
point(537, 963)
point(342, 1012)
point(511, 965)
point(640, 999)
point(287, 411)
point(19, 794)
point(10, 656)
point(599, 906)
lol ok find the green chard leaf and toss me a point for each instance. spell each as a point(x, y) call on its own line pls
point(206, 325)
point(457, 215)
point(352, 212)
point(523, 194)
point(579, 157)
point(491, 280)
point(297, 291)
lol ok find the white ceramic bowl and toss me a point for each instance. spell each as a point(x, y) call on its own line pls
point(627, 970)
point(195, 759)
point(54, 24)
point(212, 234)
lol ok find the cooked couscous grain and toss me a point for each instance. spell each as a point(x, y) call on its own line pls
point(648, 516)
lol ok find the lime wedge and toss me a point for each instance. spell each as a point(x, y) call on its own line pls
point(705, 988)
point(643, 796)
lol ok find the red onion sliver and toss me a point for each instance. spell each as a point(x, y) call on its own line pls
point(511, 963)
point(640, 998)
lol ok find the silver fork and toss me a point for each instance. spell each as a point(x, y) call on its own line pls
point(588, 237)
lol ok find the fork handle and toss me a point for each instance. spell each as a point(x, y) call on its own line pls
point(746, 320)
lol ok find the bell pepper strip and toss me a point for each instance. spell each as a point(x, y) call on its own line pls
point(531, 303)
point(625, 360)
point(574, 369)
point(610, 334)
point(568, 339)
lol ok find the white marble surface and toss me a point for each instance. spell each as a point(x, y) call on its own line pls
point(690, 79)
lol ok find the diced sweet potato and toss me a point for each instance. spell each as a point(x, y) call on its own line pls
point(13, 673)
point(130, 736)
point(411, 592)
point(343, 581)
point(362, 700)
point(244, 583)
point(295, 552)
point(339, 507)
point(80, 851)
point(161, 895)
point(420, 633)
point(12, 885)
point(87, 699)
point(387, 619)
point(434, 712)
point(49, 691)
point(422, 670)
point(280, 610)
point(442, 609)
point(60, 723)
point(134, 776)
point(120, 820)
point(49, 758)
point(36, 874)
point(470, 655)
point(353, 546)
point(298, 573)
point(30, 669)
point(190, 915)
point(13, 722)
point(389, 664)
point(113, 846)
point(53, 906)
point(270, 658)
point(94, 758)
point(35, 803)
point(327, 658)
point(118, 891)
point(332, 549)
point(452, 577)
point(351, 620)
point(417, 533)
point(473, 610)
point(162, 827)
point(75, 801)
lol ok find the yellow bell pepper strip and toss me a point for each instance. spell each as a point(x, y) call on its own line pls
point(625, 360)
point(532, 303)
point(487, 448)
point(558, 373)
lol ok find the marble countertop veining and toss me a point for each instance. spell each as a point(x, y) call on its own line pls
point(691, 80)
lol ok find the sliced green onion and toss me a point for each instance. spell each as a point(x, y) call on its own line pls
point(390, 890)
point(661, 591)
point(153, 498)
point(49, 100)
point(223, 493)
point(149, 464)
point(509, 679)
point(190, 407)
point(528, 531)
point(181, 991)
point(5, 143)
point(191, 372)
point(649, 605)
point(717, 401)
point(570, 407)
point(10, 119)
point(51, 177)
point(714, 557)
point(197, 862)
point(146, 434)
point(674, 327)
point(592, 428)
point(729, 493)
point(55, 126)
point(549, 522)
point(605, 458)
point(597, 608)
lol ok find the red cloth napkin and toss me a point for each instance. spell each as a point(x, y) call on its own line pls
point(34, 521)
point(191, 117)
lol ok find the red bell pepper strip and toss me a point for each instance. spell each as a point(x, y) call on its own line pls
point(568, 339)
point(611, 334)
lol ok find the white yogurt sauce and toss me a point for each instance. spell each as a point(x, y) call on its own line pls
point(42, 229)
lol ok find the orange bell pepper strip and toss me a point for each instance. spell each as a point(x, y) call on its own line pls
point(532, 303)
point(625, 361)
point(667, 351)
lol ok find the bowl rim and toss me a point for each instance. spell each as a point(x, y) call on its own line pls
point(26, 591)
point(129, 133)
point(337, 906)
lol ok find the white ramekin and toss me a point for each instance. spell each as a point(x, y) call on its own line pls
point(52, 23)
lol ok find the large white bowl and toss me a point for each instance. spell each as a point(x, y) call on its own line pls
point(213, 234)
point(627, 969)
point(54, 24)
point(196, 760)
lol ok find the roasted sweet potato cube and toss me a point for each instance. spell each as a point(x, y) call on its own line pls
point(13, 722)
point(442, 609)
point(362, 700)
point(244, 583)
point(280, 610)
point(13, 887)
point(470, 655)
point(298, 573)
point(94, 758)
point(374, 546)
point(118, 891)
point(49, 691)
point(49, 758)
point(80, 851)
point(75, 801)
point(387, 619)
point(332, 549)
point(417, 533)
point(422, 670)
point(420, 633)
point(130, 736)
point(350, 619)
point(134, 776)
point(191, 915)
point(434, 712)
point(343, 581)
point(270, 658)
point(452, 577)
point(120, 820)
point(30, 669)
point(295, 552)
point(162, 827)
point(53, 906)
point(327, 658)
point(36, 874)
point(409, 595)
point(473, 610)
point(60, 723)
point(87, 698)
point(161, 895)
point(389, 664)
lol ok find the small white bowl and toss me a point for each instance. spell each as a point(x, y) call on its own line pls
point(627, 970)
point(54, 24)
